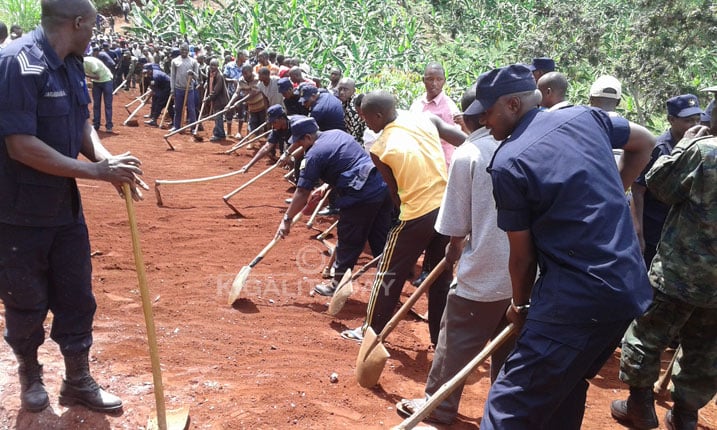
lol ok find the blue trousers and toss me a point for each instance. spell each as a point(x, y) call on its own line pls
point(179, 102)
point(46, 269)
point(543, 384)
point(102, 91)
point(219, 127)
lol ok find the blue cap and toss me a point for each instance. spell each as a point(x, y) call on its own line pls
point(147, 66)
point(683, 106)
point(542, 63)
point(284, 85)
point(301, 126)
point(175, 53)
point(306, 91)
point(274, 112)
point(491, 85)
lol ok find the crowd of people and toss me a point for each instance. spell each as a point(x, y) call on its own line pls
point(575, 225)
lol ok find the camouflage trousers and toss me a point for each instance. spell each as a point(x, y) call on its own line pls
point(694, 374)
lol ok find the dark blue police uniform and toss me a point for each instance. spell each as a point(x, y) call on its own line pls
point(556, 176)
point(162, 87)
point(280, 138)
point(360, 194)
point(654, 212)
point(328, 112)
point(44, 246)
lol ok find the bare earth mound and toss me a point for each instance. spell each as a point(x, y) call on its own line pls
point(264, 363)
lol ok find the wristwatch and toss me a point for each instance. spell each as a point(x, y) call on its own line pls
point(520, 309)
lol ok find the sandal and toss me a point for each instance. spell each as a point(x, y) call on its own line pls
point(407, 407)
point(355, 334)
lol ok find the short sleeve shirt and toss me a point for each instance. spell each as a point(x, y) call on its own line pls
point(46, 97)
point(556, 176)
point(444, 108)
point(328, 112)
point(337, 159)
point(411, 148)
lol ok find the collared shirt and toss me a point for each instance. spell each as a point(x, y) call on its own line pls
point(686, 261)
point(468, 210)
point(46, 97)
point(444, 108)
point(337, 159)
point(161, 82)
point(654, 211)
point(355, 126)
point(411, 148)
point(328, 112)
point(557, 106)
point(555, 176)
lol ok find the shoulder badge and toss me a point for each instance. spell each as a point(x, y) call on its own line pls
point(26, 66)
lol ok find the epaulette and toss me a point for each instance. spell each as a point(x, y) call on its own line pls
point(29, 64)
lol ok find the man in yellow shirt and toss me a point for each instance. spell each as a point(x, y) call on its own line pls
point(410, 158)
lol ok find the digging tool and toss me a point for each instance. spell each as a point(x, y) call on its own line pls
point(373, 354)
point(243, 275)
point(345, 287)
point(179, 130)
point(449, 386)
point(133, 122)
point(136, 99)
point(310, 222)
point(119, 86)
point(243, 142)
point(184, 102)
point(164, 112)
point(178, 419)
point(254, 179)
point(199, 115)
point(159, 182)
point(661, 385)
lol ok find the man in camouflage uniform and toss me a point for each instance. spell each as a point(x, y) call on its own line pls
point(684, 276)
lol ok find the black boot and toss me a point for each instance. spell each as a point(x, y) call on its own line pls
point(680, 418)
point(79, 387)
point(33, 396)
point(638, 410)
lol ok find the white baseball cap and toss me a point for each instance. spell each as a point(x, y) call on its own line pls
point(606, 86)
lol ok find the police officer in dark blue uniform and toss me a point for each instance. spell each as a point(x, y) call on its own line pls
point(161, 86)
point(562, 203)
point(44, 247)
point(323, 106)
point(362, 196)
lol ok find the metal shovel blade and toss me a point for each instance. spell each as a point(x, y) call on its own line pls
point(238, 284)
point(371, 359)
point(342, 293)
point(177, 419)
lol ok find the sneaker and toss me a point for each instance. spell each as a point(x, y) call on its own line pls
point(147, 116)
point(109, 130)
point(355, 334)
point(288, 201)
point(152, 123)
point(215, 139)
point(237, 136)
point(328, 211)
point(325, 289)
point(172, 129)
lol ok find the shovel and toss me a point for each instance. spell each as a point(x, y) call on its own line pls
point(373, 354)
point(345, 288)
point(449, 386)
point(175, 419)
point(243, 275)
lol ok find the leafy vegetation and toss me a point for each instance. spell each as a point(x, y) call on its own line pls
point(657, 48)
